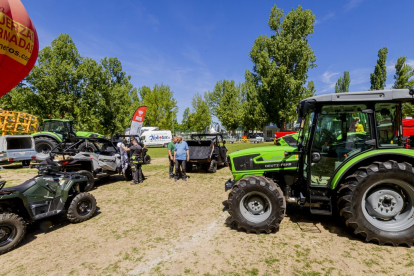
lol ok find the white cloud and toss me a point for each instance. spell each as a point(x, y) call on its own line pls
point(329, 84)
point(352, 4)
point(326, 17)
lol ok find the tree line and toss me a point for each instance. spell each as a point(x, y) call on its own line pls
point(100, 97)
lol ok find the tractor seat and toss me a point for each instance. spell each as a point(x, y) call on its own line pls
point(22, 187)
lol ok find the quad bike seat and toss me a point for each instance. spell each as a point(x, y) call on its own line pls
point(20, 188)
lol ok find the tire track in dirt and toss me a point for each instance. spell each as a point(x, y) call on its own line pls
point(179, 249)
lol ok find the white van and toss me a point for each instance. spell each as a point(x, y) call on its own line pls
point(156, 138)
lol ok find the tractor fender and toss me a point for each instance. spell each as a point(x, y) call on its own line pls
point(364, 159)
point(51, 135)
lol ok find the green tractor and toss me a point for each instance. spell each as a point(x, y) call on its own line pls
point(350, 160)
point(58, 130)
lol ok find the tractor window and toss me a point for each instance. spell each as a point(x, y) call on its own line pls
point(389, 129)
point(341, 132)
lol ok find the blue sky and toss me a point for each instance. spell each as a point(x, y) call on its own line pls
point(190, 45)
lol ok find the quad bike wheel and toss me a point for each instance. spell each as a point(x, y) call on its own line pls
point(12, 231)
point(127, 174)
point(147, 159)
point(377, 201)
point(43, 145)
point(81, 208)
point(256, 205)
point(91, 180)
point(213, 166)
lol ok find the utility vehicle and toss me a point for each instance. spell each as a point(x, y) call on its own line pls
point(48, 194)
point(101, 163)
point(207, 151)
point(350, 157)
point(57, 130)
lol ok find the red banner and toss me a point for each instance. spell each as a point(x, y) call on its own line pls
point(137, 121)
point(19, 45)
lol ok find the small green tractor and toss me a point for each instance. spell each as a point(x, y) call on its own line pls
point(350, 159)
point(58, 130)
point(51, 193)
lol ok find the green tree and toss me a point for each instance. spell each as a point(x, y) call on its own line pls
point(225, 104)
point(342, 85)
point(379, 77)
point(403, 74)
point(403, 79)
point(253, 115)
point(161, 106)
point(200, 117)
point(186, 121)
point(281, 63)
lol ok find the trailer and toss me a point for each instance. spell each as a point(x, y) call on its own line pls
point(17, 148)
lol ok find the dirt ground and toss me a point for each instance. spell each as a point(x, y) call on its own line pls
point(164, 227)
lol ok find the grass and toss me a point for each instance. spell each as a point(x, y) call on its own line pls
point(163, 152)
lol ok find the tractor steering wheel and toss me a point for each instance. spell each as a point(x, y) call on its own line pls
point(329, 136)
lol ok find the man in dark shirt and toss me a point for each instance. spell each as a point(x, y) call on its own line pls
point(136, 161)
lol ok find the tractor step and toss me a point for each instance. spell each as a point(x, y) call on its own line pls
point(320, 212)
point(320, 202)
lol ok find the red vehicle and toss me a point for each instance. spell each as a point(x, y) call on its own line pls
point(408, 127)
point(279, 134)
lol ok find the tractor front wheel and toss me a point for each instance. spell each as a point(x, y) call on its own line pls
point(377, 201)
point(256, 204)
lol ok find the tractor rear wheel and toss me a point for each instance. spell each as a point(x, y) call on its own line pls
point(87, 147)
point(12, 231)
point(43, 145)
point(377, 201)
point(256, 204)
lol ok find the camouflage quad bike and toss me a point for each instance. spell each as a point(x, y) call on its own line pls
point(350, 157)
point(49, 194)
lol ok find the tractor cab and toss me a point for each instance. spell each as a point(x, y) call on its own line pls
point(63, 128)
point(335, 129)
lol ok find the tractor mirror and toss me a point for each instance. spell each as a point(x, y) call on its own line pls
point(316, 157)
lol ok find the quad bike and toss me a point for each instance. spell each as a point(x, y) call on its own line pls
point(49, 194)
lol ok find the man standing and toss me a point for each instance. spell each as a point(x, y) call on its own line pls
point(171, 147)
point(136, 161)
point(124, 156)
point(181, 156)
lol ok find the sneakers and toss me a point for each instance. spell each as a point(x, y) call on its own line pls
point(175, 179)
point(185, 178)
point(133, 183)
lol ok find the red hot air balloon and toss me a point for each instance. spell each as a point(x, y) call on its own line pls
point(19, 44)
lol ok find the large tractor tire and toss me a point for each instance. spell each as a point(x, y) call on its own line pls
point(12, 231)
point(377, 201)
point(82, 208)
point(91, 180)
point(256, 205)
point(87, 147)
point(43, 145)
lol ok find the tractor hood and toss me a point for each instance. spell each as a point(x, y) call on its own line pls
point(89, 134)
point(257, 160)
